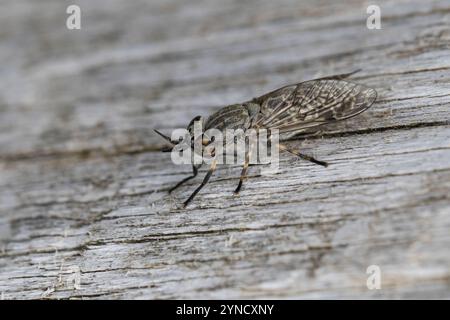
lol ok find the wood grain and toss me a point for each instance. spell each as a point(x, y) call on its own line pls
point(84, 209)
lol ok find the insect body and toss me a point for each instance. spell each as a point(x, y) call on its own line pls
point(293, 109)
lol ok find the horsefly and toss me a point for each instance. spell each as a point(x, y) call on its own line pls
point(291, 110)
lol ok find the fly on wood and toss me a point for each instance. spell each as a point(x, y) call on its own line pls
point(299, 108)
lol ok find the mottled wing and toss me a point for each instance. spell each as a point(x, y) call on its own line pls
point(297, 108)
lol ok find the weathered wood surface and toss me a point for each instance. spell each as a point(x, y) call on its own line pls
point(84, 209)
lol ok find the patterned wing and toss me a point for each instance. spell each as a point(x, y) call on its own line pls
point(297, 108)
